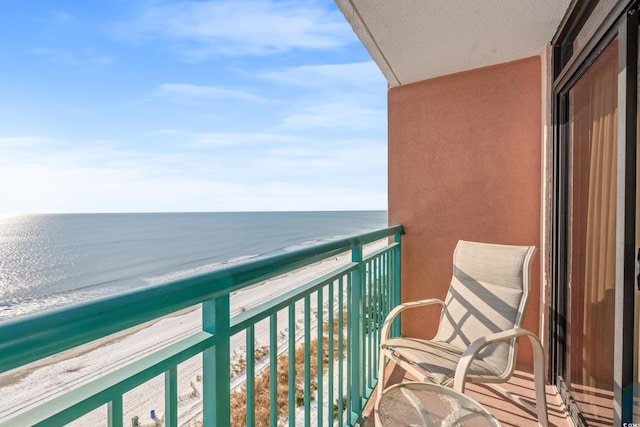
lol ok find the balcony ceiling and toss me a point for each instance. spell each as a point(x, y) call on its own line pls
point(414, 40)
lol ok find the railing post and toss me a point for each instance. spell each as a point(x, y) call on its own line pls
point(171, 397)
point(357, 339)
point(114, 412)
point(216, 394)
point(250, 376)
point(395, 328)
point(292, 365)
point(273, 370)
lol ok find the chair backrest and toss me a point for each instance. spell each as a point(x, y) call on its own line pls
point(488, 294)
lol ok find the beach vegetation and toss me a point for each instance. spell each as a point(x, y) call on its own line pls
point(262, 382)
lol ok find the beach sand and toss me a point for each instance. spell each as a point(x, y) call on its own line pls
point(33, 384)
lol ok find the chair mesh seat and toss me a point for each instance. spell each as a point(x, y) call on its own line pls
point(439, 359)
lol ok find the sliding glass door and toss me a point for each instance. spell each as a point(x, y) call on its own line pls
point(595, 304)
point(593, 122)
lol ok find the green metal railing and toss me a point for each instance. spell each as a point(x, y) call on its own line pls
point(341, 314)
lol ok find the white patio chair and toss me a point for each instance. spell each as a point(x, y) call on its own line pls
point(479, 325)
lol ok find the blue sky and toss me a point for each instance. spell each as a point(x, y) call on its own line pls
point(158, 105)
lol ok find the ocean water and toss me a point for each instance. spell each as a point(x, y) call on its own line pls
point(47, 261)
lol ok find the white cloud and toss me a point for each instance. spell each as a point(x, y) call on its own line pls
point(240, 27)
point(86, 57)
point(63, 18)
point(221, 139)
point(25, 142)
point(104, 176)
point(336, 116)
point(183, 91)
point(77, 111)
point(108, 190)
point(327, 76)
point(332, 97)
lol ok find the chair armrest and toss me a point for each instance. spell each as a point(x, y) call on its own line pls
point(386, 326)
point(474, 348)
point(538, 365)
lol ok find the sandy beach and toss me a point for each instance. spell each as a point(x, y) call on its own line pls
point(35, 383)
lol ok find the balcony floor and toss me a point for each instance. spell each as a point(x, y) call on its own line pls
point(509, 414)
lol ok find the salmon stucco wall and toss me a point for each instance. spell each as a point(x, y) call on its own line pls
point(464, 164)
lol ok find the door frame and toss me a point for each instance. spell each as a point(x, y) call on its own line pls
point(569, 64)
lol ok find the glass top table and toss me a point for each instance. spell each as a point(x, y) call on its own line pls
point(425, 404)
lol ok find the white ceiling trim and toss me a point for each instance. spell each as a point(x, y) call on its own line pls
point(364, 34)
point(414, 40)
